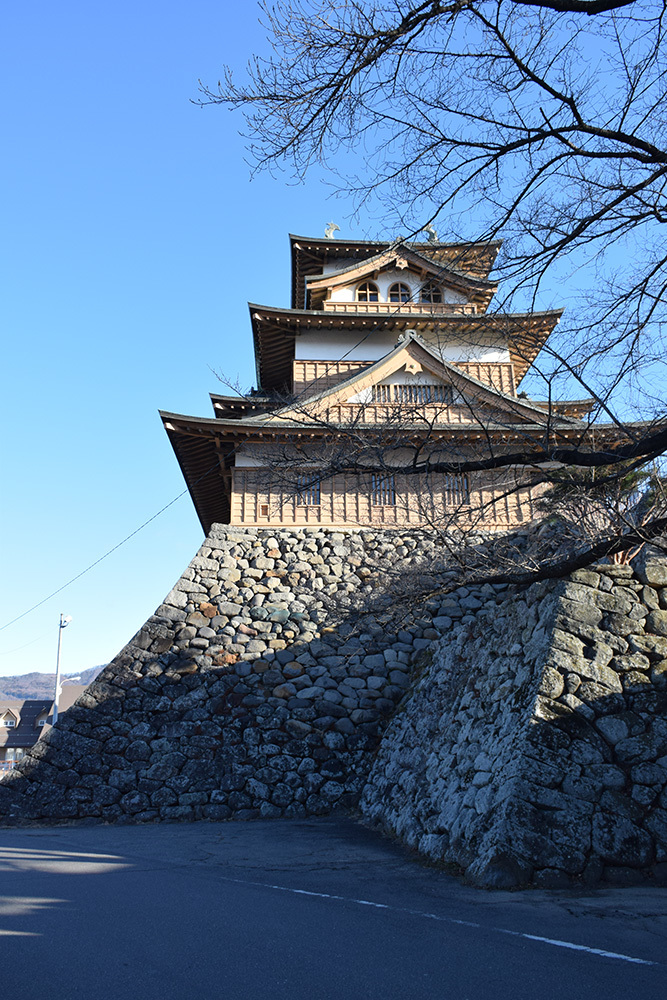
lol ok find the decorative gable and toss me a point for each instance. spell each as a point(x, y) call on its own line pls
point(413, 376)
point(410, 385)
point(397, 278)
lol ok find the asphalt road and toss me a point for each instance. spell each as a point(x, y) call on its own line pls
point(301, 910)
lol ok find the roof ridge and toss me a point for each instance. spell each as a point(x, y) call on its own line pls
point(422, 243)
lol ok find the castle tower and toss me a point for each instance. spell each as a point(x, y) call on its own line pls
point(387, 357)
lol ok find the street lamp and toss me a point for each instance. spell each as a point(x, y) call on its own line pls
point(64, 622)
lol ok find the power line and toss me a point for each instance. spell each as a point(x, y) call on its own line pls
point(17, 649)
point(101, 558)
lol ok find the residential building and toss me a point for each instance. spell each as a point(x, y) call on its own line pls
point(23, 721)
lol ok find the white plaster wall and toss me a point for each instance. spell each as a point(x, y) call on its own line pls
point(253, 456)
point(384, 280)
point(462, 350)
point(333, 266)
point(331, 345)
point(257, 456)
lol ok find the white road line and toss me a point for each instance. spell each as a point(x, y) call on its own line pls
point(449, 920)
point(577, 947)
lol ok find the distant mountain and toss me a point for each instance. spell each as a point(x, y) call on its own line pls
point(38, 685)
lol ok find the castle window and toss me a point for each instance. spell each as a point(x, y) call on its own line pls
point(383, 491)
point(308, 491)
point(431, 292)
point(456, 490)
point(412, 393)
point(399, 292)
point(368, 292)
point(381, 394)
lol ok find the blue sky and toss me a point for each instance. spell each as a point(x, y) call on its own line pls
point(133, 239)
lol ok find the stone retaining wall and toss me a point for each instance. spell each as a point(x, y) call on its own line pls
point(534, 746)
point(520, 734)
point(258, 688)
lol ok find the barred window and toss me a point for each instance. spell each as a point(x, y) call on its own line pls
point(308, 494)
point(367, 292)
point(399, 292)
point(431, 292)
point(456, 490)
point(383, 491)
point(412, 393)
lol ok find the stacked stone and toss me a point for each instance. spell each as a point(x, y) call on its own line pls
point(259, 687)
point(530, 740)
point(534, 747)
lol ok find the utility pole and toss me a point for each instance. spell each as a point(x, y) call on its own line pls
point(64, 622)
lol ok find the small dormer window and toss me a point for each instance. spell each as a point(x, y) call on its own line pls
point(8, 720)
point(431, 292)
point(399, 292)
point(368, 292)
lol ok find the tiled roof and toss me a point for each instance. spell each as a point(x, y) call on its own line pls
point(28, 710)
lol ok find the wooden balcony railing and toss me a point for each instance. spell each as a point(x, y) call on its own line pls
point(404, 308)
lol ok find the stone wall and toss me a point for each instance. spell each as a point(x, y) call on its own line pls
point(258, 688)
point(519, 734)
point(534, 745)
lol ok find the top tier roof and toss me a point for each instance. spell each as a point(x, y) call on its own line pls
point(309, 256)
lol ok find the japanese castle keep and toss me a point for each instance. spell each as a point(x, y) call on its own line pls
point(389, 344)
point(519, 732)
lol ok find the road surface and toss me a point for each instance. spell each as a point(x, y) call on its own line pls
point(306, 910)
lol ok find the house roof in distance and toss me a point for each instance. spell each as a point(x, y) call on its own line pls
point(28, 710)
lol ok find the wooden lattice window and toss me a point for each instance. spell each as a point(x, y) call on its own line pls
point(431, 292)
point(368, 292)
point(383, 491)
point(399, 292)
point(308, 488)
point(456, 490)
point(412, 393)
point(381, 393)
